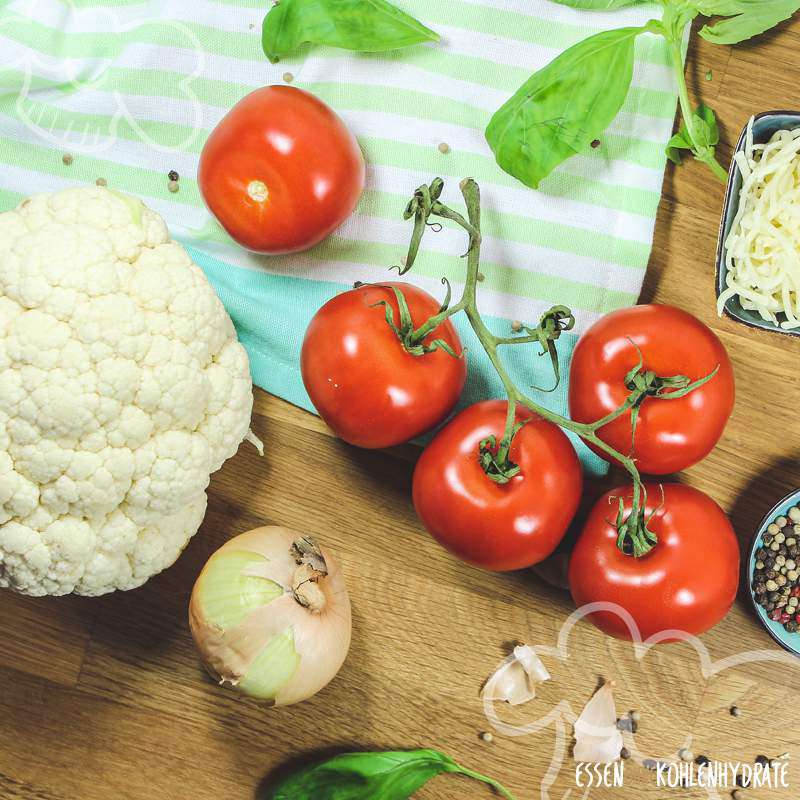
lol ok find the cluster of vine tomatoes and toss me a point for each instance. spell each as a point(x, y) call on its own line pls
point(374, 393)
point(280, 173)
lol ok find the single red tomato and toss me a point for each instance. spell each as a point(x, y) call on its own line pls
point(363, 382)
point(671, 435)
point(687, 582)
point(281, 171)
point(491, 525)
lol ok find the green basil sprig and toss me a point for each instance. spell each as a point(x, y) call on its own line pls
point(561, 109)
point(368, 26)
point(373, 776)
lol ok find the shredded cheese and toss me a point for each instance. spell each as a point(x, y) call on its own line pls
point(763, 248)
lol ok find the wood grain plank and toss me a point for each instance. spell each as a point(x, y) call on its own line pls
point(46, 637)
point(105, 698)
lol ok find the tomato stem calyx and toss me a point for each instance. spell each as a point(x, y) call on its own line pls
point(634, 535)
point(494, 456)
point(405, 332)
point(643, 383)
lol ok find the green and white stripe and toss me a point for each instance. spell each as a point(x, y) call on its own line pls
point(132, 89)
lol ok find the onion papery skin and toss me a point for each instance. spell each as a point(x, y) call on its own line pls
point(250, 629)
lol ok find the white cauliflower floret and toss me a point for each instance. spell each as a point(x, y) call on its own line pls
point(122, 388)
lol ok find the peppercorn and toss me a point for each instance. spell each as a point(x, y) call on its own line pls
point(763, 760)
point(771, 585)
point(702, 761)
point(736, 711)
point(173, 186)
point(761, 553)
point(101, 182)
point(791, 626)
point(650, 763)
point(444, 148)
point(738, 794)
point(781, 522)
point(67, 159)
point(172, 175)
point(759, 588)
point(794, 514)
point(624, 753)
point(769, 562)
point(684, 754)
point(486, 736)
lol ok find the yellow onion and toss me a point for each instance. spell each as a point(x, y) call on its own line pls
point(270, 615)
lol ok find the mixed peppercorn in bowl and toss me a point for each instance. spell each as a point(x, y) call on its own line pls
point(775, 572)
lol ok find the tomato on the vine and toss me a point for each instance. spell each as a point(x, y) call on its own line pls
point(361, 378)
point(687, 582)
point(281, 171)
point(671, 434)
point(498, 526)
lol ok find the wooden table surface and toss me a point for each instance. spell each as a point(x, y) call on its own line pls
point(105, 698)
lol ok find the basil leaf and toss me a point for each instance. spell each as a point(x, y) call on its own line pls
point(364, 25)
point(706, 130)
point(373, 776)
point(563, 107)
point(600, 5)
point(706, 136)
point(680, 141)
point(377, 776)
point(752, 18)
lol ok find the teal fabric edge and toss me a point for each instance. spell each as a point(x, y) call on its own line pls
point(271, 312)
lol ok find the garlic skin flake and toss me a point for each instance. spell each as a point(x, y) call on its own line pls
point(597, 738)
point(514, 681)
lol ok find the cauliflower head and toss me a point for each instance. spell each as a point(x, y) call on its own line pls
point(122, 388)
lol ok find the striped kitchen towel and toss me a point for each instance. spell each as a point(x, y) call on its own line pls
point(131, 88)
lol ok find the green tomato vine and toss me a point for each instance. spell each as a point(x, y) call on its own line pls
point(635, 536)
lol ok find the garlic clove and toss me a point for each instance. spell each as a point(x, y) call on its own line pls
point(597, 738)
point(514, 681)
